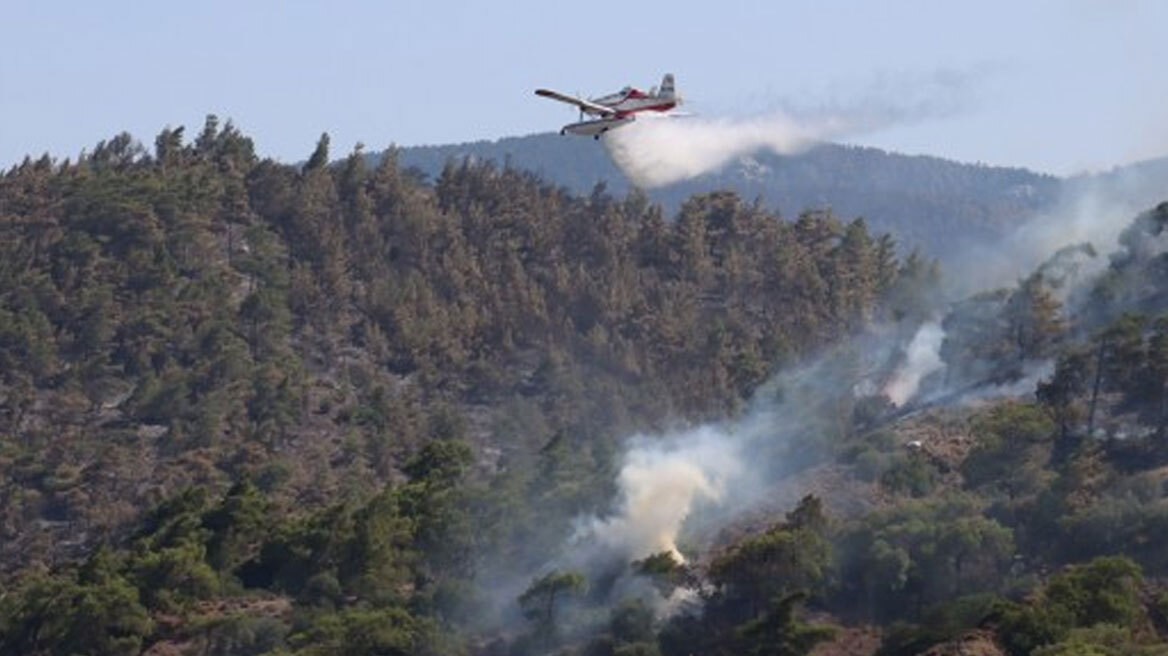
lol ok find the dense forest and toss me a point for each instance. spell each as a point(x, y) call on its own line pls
point(340, 408)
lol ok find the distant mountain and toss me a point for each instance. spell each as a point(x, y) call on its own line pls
point(1138, 186)
point(922, 200)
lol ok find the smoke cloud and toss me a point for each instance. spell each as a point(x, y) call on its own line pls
point(661, 482)
point(922, 358)
point(675, 487)
point(1091, 210)
point(1084, 216)
point(693, 482)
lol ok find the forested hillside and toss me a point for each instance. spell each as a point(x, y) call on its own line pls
point(194, 315)
point(336, 408)
point(922, 201)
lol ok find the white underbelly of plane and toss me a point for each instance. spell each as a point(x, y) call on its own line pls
point(596, 127)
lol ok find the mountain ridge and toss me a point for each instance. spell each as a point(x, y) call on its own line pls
point(926, 201)
point(918, 197)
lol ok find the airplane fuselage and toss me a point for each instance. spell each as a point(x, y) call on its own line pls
point(623, 107)
point(630, 101)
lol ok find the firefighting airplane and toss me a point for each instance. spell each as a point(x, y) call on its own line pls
point(616, 109)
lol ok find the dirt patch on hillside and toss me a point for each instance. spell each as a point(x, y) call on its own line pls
point(941, 434)
point(974, 643)
point(852, 641)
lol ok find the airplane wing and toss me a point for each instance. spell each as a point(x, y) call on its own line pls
point(586, 105)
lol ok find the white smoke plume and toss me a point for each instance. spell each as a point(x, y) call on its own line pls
point(676, 601)
point(1090, 211)
point(1023, 387)
point(661, 482)
point(922, 358)
point(693, 481)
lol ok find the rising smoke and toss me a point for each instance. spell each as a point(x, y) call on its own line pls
point(701, 478)
point(675, 486)
point(661, 482)
point(1083, 216)
point(922, 358)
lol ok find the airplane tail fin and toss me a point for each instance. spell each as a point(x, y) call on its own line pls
point(667, 90)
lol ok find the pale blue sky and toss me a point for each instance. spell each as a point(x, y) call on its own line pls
point(1056, 85)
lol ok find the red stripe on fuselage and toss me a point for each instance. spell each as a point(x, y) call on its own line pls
point(662, 107)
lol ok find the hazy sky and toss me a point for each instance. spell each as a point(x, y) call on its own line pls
point(1056, 85)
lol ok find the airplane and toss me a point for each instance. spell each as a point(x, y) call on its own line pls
point(615, 109)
